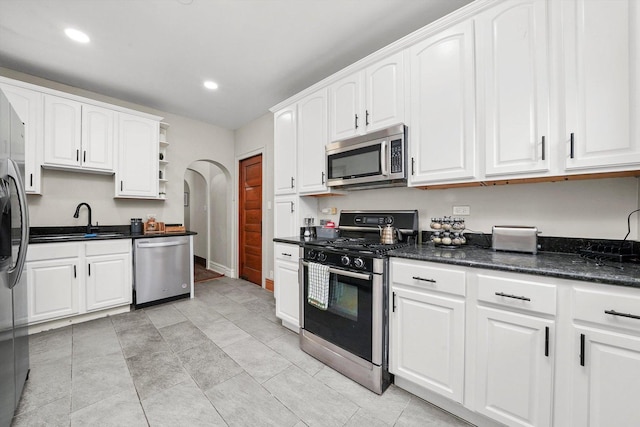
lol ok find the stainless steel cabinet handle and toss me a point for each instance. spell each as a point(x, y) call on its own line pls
point(413, 166)
point(84, 156)
point(582, 339)
point(543, 148)
point(77, 155)
point(502, 294)
point(74, 272)
point(322, 177)
point(617, 313)
point(291, 207)
point(89, 266)
point(356, 121)
point(285, 254)
point(423, 279)
point(292, 181)
point(393, 305)
point(366, 120)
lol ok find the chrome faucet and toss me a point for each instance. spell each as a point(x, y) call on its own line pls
point(75, 215)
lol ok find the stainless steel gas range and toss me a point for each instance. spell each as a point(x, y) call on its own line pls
point(348, 328)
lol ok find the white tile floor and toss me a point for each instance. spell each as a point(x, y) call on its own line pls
point(220, 359)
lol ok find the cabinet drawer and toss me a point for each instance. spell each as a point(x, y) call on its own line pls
point(287, 252)
point(420, 274)
point(521, 294)
point(46, 251)
point(107, 247)
point(608, 307)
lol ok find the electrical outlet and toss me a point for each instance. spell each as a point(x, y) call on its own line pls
point(461, 210)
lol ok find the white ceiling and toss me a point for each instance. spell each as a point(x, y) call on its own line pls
point(157, 53)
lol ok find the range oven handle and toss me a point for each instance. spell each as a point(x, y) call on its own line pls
point(362, 276)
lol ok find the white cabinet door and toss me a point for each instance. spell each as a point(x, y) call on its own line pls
point(285, 143)
point(427, 341)
point(97, 138)
point(384, 93)
point(606, 386)
point(62, 131)
point(29, 107)
point(513, 63)
point(285, 224)
point(346, 100)
point(108, 281)
point(137, 171)
point(286, 291)
point(442, 136)
point(53, 289)
point(602, 83)
point(312, 138)
point(368, 100)
point(514, 367)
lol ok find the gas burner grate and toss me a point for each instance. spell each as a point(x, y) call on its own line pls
point(601, 252)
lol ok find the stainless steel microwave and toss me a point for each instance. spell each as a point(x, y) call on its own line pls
point(377, 159)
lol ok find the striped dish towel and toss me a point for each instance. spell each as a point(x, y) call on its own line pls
point(318, 287)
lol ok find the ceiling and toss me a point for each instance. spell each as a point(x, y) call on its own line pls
point(158, 53)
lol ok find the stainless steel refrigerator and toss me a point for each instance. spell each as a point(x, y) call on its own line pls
point(14, 237)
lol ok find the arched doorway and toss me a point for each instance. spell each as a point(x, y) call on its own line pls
point(208, 209)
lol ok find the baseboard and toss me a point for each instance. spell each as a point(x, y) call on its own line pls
point(268, 284)
point(219, 268)
point(72, 320)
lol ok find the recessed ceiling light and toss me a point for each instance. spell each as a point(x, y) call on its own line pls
point(77, 35)
point(211, 85)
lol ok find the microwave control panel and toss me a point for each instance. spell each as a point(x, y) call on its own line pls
point(397, 156)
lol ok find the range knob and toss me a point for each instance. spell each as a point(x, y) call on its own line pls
point(358, 262)
point(345, 260)
point(322, 257)
point(311, 254)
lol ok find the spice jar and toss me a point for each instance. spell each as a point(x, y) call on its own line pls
point(446, 238)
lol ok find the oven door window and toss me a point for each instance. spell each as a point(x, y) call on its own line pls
point(347, 321)
point(358, 163)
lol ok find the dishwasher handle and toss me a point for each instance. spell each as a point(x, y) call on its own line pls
point(159, 245)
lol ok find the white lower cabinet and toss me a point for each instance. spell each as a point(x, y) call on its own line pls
point(286, 289)
point(108, 275)
point(53, 289)
point(73, 278)
point(431, 356)
point(514, 367)
point(606, 362)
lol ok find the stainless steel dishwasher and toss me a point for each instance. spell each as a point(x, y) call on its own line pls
point(162, 268)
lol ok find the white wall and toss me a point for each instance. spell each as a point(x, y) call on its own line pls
point(591, 208)
point(189, 140)
point(195, 177)
point(254, 138)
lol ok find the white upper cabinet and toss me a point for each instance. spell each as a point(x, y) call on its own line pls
point(77, 135)
point(28, 104)
point(312, 138)
point(285, 143)
point(513, 68)
point(368, 100)
point(97, 137)
point(602, 84)
point(137, 171)
point(384, 94)
point(442, 127)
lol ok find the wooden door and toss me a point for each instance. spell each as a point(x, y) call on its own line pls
point(250, 207)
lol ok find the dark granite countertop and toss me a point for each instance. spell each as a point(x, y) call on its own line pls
point(545, 263)
point(550, 264)
point(78, 234)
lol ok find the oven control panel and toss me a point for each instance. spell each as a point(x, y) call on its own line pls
point(339, 259)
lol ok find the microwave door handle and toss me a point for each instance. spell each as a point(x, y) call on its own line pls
point(15, 273)
point(383, 158)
